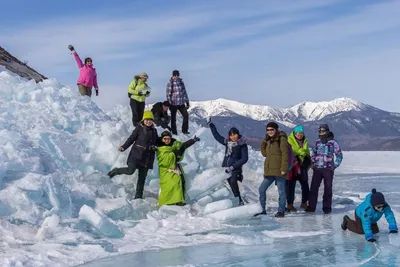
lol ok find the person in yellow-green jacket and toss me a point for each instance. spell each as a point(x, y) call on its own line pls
point(170, 153)
point(299, 144)
point(138, 90)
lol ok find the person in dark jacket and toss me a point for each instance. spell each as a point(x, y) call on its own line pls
point(179, 100)
point(236, 155)
point(143, 140)
point(160, 112)
point(367, 215)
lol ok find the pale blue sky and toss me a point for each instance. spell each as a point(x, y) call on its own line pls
point(274, 53)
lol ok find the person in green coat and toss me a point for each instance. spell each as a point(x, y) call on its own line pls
point(138, 90)
point(299, 144)
point(170, 153)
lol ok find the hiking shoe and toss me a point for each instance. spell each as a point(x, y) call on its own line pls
point(187, 133)
point(279, 214)
point(308, 209)
point(303, 206)
point(264, 212)
point(344, 223)
point(327, 210)
point(291, 208)
point(112, 173)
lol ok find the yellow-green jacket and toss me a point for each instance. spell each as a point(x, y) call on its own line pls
point(136, 87)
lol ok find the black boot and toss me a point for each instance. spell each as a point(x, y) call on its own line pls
point(264, 212)
point(280, 214)
point(344, 223)
point(327, 210)
point(113, 172)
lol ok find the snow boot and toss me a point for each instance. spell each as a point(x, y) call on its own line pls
point(264, 212)
point(303, 206)
point(327, 210)
point(344, 223)
point(113, 172)
point(308, 209)
point(279, 214)
point(290, 208)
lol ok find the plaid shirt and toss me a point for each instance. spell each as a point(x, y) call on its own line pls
point(176, 92)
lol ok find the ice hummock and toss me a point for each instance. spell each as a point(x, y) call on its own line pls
point(59, 208)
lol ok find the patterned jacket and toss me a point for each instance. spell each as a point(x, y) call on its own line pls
point(176, 92)
point(324, 152)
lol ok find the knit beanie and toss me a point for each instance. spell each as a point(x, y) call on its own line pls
point(175, 73)
point(233, 130)
point(148, 115)
point(273, 125)
point(166, 133)
point(377, 198)
point(298, 129)
point(324, 126)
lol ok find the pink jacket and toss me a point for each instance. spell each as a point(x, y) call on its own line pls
point(87, 75)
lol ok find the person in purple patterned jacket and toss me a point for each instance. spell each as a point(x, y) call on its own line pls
point(326, 156)
point(179, 100)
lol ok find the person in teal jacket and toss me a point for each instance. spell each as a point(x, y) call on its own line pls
point(368, 214)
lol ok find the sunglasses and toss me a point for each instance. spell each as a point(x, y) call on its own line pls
point(379, 207)
point(270, 130)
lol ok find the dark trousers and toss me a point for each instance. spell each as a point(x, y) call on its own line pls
point(83, 90)
point(137, 111)
point(302, 178)
point(141, 178)
point(163, 122)
point(185, 124)
point(233, 183)
point(356, 226)
point(318, 176)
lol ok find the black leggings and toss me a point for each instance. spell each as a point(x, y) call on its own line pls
point(141, 178)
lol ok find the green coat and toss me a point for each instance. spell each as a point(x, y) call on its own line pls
point(134, 89)
point(276, 156)
point(170, 180)
point(298, 151)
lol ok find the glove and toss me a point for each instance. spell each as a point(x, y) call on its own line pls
point(187, 105)
point(229, 170)
point(153, 148)
point(129, 95)
point(97, 92)
point(196, 139)
point(372, 240)
point(140, 93)
point(70, 47)
point(147, 93)
point(393, 231)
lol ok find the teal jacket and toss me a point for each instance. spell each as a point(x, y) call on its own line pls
point(368, 215)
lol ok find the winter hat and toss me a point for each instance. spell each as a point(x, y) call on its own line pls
point(377, 198)
point(166, 103)
point(324, 127)
point(298, 129)
point(143, 74)
point(148, 115)
point(273, 125)
point(175, 73)
point(233, 130)
point(166, 133)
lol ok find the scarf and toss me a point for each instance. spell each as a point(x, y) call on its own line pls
point(230, 147)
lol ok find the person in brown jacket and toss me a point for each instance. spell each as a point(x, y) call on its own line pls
point(274, 148)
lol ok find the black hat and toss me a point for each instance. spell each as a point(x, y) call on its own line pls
point(166, 103)
point(273, 125)
point(377, 198)
point(233, 130)
point(324, 127)
point(166, 133)
point(175, 73)
point(88, 59)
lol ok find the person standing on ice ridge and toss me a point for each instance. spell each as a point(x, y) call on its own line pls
point(179, 100)
point(236, 155)
point(170, 153)
point(274, 148)
point(138, 90)
point(367, 215)
point(299, 172)
point(87, 75)
point(324, 164)
point(143, 140)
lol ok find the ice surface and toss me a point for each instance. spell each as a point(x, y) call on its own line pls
point(217, 206)
point(59, 208)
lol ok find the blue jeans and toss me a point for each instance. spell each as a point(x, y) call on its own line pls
point(281, 182)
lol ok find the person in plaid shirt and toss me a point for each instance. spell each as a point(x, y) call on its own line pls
point(179, 100)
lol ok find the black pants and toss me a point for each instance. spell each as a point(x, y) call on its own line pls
point(137, 111)
point(233, 182)
point(291, 186)
point(141, 178)
point(163, 122)
point(185, 124)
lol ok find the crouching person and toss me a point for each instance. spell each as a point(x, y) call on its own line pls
point(274, 148)
point(170, 153)
point(160, 112)
point(143, 140)
point(368, 214)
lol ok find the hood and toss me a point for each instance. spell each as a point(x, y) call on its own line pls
point(329, 136)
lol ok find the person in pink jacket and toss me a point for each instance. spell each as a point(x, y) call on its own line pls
point(87, 76)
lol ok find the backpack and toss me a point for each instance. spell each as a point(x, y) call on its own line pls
point(291, 157)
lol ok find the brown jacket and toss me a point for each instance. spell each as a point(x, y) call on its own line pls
point(276, 155)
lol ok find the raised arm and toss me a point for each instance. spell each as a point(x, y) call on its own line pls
point(78, 59)
point(216, 135)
